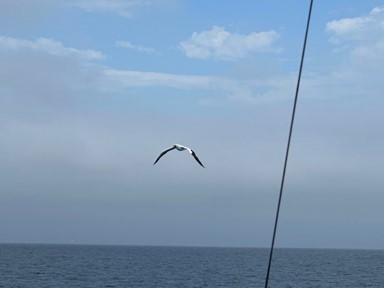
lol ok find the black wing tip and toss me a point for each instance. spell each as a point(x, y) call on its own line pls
point(157, 160)
point(197, 159)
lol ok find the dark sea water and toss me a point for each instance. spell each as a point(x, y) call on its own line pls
point(39, 266)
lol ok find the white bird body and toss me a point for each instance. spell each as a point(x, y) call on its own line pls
point(182, 148)
point(179, 147)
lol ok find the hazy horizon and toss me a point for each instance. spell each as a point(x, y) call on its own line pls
point(92, 91)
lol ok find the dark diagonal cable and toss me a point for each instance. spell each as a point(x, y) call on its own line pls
point(288, 146)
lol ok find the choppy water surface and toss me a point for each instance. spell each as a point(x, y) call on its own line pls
point(39, 266)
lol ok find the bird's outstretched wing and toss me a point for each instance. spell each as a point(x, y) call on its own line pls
point(197, 159)
point(163, 153)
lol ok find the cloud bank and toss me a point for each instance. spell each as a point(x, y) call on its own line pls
point(360, 41)
point(49, 46)
point(363, 28)
point(218, 43)
point(129, 45)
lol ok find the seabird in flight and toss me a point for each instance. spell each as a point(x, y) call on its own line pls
point(179, 148)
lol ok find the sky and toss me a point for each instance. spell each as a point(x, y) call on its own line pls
point(92, 91)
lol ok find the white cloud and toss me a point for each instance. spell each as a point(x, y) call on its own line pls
point(347, 25)
point(49, 46)
point(364, 38)
point(43, 74)
point(63, 68)
point(221, 89)
point(126, 78)
point(129, 45)
point(218, 43)
point(123, 8)
point(357, 28)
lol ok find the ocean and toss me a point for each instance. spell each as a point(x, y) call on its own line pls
point(55, 266)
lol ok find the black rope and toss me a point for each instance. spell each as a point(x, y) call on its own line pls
point(288, 146)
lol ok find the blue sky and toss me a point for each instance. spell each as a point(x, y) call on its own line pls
point(92, 91)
